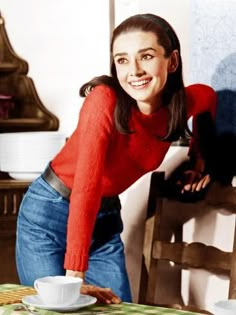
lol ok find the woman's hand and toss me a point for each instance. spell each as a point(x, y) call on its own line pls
point(194, 181)
point(103, 295)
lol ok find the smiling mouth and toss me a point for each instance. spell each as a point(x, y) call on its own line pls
point(139, 83)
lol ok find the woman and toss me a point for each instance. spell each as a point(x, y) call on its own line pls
point(69, 220)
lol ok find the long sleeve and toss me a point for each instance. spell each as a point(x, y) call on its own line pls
point(93, 134)
point(202, 102)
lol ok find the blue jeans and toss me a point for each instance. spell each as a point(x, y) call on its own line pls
point(41, 241)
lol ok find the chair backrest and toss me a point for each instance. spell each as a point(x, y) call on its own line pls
point(161, 251)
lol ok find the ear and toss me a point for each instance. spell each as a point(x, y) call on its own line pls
point(173, 61)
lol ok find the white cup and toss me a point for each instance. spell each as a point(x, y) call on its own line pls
point(225, 307)
point(58, 290)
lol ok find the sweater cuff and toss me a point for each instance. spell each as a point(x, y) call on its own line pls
point(76, 262)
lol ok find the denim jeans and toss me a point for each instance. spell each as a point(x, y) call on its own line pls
point(41, 241)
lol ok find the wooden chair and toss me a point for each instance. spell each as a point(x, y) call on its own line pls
point(159, 250)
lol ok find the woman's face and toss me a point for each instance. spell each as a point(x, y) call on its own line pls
point(142, 68)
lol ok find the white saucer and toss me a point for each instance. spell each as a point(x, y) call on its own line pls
point(35, 301)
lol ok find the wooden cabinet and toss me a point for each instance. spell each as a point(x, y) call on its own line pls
point(11, 194)
point(27, 114)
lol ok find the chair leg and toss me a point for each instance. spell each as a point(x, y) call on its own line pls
point(232, 283)
point(157, 180)
point(143, 283)
point(145, 267)
point(153, 263)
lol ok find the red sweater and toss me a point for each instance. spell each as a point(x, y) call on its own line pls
point(98, 161)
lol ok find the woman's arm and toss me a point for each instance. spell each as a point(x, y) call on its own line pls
point(202, 102)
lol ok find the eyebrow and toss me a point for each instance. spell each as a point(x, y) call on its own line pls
point(139, 51)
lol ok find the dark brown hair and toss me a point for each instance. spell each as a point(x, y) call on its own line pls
point(173, 96)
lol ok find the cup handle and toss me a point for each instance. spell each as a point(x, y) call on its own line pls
point(36, 285)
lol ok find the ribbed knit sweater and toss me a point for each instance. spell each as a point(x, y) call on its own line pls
point(99, 161)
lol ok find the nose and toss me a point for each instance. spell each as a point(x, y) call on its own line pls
point(136, 69)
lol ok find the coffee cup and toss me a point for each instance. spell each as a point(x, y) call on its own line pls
point(58, 290)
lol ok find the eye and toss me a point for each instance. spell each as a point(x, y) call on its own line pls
point(146, 57)
point(121, 61)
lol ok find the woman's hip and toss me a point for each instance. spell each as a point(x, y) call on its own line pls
point(42, 206)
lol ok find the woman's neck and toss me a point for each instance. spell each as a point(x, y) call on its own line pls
point(148, 108)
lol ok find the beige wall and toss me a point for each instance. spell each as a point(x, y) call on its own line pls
point(65, 43)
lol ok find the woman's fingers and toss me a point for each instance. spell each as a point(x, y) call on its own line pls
point(203, 182)
point(103, 295)
point(106, 298)
point(194, 181)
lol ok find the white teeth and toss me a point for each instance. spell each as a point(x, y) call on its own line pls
point(139, 83)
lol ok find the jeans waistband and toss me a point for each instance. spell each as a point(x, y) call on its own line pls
point(54, 181)
point(107, 203)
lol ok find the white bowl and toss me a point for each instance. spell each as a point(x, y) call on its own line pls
point(28, 176)
point(28, 153)
point(225, 307)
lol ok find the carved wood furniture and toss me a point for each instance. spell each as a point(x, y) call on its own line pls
point(28, 114)
point(11, 193)
point(159, 251)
